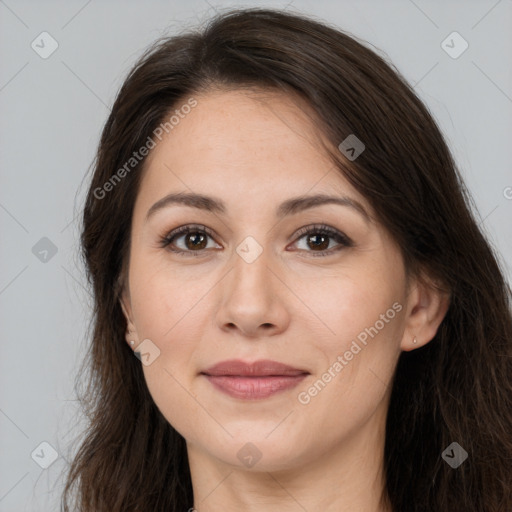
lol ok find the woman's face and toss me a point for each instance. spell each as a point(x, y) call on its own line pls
point(254, 287)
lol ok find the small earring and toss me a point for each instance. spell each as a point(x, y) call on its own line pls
point(132, 342)
point(415, 340)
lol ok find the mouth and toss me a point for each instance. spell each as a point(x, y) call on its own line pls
point(251, 381)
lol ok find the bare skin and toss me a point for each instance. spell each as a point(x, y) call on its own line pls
point(316, 451)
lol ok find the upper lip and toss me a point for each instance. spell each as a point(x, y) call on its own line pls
point(263, 368)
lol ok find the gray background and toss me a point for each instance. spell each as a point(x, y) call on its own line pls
point(52, 112)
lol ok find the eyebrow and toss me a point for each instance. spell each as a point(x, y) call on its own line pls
point(288, 207)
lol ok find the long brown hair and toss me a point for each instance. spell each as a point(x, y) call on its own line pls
point(457, 388)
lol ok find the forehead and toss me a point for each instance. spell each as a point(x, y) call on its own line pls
point(262, 142)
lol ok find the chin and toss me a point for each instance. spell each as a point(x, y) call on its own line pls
point(258, 453)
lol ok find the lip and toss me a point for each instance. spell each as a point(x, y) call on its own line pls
point(251, 381)
point(261, 368)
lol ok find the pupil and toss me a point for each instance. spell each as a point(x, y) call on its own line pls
point(194, 236)
point(321, 246)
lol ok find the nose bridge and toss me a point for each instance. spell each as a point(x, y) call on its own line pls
point(250, 299)
point(252, 266)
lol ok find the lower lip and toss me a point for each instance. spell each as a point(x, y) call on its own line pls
point(253, 388)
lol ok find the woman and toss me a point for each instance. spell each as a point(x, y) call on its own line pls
point(277, 229)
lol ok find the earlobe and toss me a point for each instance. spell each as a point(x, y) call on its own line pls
point(427, 307)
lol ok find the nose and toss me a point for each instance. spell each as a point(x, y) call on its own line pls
point(253, 298)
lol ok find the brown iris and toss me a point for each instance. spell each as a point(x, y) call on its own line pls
point(322, 245)
point(197, 243)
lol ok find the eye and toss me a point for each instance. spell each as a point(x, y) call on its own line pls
point(317, 237)
point(195, 238)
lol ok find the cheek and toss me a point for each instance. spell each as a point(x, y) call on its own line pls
point(179, 404)
point(355, 375)
point(360, 324)
point(163, 298)
point(340, 306)
point(168, 311)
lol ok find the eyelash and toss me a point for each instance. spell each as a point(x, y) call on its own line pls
point(343, 240)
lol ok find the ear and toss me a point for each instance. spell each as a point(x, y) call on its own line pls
point(427, 305)
point(131, 331)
